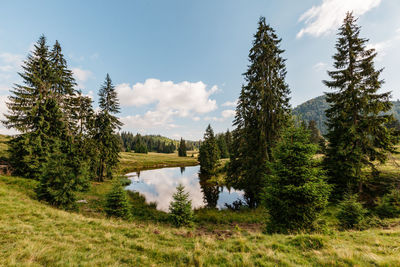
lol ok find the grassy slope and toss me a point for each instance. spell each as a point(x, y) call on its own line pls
point(33, 234)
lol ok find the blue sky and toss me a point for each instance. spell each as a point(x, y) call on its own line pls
point(178, 65)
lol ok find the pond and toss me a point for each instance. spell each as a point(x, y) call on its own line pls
point(159, 185)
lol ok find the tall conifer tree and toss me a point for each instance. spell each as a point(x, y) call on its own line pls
point(262, 111)
point(208, 153)
point(106, 124)
point(357, 133)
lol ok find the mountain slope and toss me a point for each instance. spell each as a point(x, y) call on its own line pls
point(314, 109)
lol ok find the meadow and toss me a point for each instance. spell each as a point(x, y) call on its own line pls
point(35, 234)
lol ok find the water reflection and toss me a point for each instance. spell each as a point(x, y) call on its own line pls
point(159, 186)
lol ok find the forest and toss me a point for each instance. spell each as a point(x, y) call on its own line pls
point(320, 183)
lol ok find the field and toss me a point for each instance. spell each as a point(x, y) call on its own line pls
point(34, 234)
point(130, 161)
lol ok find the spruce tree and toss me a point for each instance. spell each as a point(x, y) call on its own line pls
point(61, 172)
point(296, 191)
point(222, 146)
point(37, 77)
point(182, 148)
point(208, 153)
point(262, 112)
point(180, 208)
point(117, 204)
point(106, 124)
point(356, 122)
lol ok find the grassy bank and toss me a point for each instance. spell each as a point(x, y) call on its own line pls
point(130, 161)
point(34, 234)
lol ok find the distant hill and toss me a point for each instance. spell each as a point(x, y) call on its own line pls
point(314, 109)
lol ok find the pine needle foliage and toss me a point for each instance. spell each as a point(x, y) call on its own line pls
point(296, 191)
point(357, 134)
point(262, 112)
point(180, 208)
point(117, 204)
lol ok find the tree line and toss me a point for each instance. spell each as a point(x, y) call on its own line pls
point(62, 142)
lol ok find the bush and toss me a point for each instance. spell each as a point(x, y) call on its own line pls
point(180, 208)
point(117, 204)
point(351, 212)
point(389, 205)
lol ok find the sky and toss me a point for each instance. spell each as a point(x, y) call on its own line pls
point(177, 65)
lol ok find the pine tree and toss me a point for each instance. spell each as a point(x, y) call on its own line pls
point(182, 148)
point(222, 146)
point(63, 88)
point(262, 112)
point(106, 124)
point(357, 133)
point(38, 77)
point(209, 153)
point(181, 207)
point(117, 204)
point(61, 172)
point(296, 191)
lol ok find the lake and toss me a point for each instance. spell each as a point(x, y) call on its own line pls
point(159, 185)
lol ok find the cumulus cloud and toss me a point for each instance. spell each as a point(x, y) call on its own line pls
point(228, 113)
point(225, 114)
point(182, 99)
point(81, 75)
point(230, 104)
point(329, 15)
point(170, 100)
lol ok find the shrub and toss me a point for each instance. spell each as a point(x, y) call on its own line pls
point(389, 205)
point(117, 204)
point(351, 212)
point(180, 208)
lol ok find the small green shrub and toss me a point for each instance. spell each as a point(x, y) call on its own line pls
point(389, 205)
point(117, 204)
point(180, 208)
point(351, 212)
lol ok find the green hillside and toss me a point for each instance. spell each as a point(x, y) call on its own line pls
point(314, 109)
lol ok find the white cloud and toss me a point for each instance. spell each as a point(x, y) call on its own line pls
point(182, 99)
point(171, 100)
point(382, 47)
point(10, 62)
point(3, 110)
point(228, 113)
point(81, 75)
point(320, 66)
point(230, 104)
point(329, 15)
point(225, 114)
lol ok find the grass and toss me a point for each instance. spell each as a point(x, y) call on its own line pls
point(34, 234)
point(3, 145)
point(130, 161)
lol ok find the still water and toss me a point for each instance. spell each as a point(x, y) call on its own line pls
point(159, 185)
